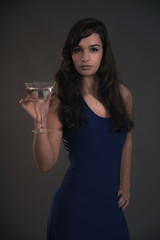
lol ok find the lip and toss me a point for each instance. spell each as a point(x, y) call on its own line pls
point(85, 67)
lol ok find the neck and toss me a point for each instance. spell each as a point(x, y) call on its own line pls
point(89, 85)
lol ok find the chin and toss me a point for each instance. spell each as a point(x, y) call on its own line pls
point(87, 74)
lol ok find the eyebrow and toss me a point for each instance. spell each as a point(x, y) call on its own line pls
point(93, 45)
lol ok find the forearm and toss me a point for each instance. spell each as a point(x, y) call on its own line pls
point(126, 162)
point(42, 151)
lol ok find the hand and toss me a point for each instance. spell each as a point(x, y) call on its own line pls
point(33, 107)
point(124, 196)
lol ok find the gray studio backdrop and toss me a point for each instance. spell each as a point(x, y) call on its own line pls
point(32, 34)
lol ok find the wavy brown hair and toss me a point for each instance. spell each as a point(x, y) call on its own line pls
point(68, 80)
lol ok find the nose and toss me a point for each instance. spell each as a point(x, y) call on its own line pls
point(85, 56)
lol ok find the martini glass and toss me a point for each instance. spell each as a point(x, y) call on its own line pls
point(41, 90)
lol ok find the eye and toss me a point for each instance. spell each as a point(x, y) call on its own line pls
point(94, 49)
point(76, 50)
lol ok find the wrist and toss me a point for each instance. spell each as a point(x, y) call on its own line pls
point(37, 124)
point(122, 186)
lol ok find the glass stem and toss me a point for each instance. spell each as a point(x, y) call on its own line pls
point(41, 124)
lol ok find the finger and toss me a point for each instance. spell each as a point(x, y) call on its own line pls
point(23, 104)
point(123, 193)
point(27, 90)
point(119, 192)
point(48, 97)
point(121, 205)
point(123, 202)
point(21, 101)
point(120, 195)
point(33, 96)
point(25, 101)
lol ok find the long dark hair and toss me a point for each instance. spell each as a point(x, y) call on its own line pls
point(68, 80)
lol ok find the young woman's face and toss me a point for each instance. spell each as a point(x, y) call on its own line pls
point(87, 55)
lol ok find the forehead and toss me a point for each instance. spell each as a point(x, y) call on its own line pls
point(94, 38)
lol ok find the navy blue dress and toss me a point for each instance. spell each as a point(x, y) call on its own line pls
point(85, 206)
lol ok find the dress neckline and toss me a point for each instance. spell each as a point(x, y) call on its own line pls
point(93, 111)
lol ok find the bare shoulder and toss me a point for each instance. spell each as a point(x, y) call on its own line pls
point(127, 97)
point(125, 92)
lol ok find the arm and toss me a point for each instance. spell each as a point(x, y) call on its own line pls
point(46, 146)
point(126, 158)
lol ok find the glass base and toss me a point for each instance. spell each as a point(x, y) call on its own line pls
point(42, 129)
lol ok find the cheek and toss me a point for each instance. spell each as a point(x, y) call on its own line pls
point(99, 60)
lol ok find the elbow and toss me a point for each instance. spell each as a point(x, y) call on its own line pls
point(44, 168)
point(45, 164)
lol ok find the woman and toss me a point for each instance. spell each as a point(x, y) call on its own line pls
point(91, 112)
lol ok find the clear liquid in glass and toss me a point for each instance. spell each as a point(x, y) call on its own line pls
point(41, 90)
point(41, 93)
